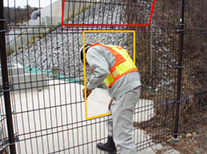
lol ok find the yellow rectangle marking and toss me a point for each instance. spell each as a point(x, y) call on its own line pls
point(84, 65)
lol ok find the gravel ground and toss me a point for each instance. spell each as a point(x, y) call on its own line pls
point(58, 51)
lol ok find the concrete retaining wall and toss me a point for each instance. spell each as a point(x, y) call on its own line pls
point(74, 8)
point(22, 80)
point(54, 10)
point(24, 38)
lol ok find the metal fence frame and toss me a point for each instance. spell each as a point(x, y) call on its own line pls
point(6, 89)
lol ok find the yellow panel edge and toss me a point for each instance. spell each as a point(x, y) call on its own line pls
point(102, 31)
point(101, 115)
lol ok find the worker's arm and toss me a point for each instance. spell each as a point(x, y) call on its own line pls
point(97, 61)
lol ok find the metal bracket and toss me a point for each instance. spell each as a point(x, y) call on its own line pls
point(179, 30)
point(3, 20)
point(10, 89)
point(179, 24)
point(5, 143)
point(175, 102)
point(178, 67)
point(172, 133)
point(2, 31)
point(178, 101)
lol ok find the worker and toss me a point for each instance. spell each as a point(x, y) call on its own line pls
point(113, 65)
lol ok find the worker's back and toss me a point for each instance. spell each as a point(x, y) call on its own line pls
point(101, 59)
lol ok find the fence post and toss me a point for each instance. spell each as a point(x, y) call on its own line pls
point(180, 30)
point(5, 80)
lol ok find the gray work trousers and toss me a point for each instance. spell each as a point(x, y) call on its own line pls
point(121, 120)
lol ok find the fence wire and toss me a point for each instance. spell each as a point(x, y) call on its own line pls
point(47, 77)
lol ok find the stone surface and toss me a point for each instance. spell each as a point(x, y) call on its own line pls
point(58, 51)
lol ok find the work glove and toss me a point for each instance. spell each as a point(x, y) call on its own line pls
point(109, 107)
point(88, 92)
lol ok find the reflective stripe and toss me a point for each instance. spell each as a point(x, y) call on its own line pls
point(110, 82)
point(123, 64)
point(109, 79)
point(115, 73)
point(121, 51)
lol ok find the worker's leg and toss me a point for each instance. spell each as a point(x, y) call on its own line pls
point(109, 146)
point(109, 124)
point(122, 115)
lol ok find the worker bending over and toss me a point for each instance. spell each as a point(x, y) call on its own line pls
point(113, 65)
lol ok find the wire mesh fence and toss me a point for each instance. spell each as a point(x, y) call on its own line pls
point(106, 12)
point(47, 77)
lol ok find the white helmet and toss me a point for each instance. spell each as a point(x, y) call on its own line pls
point(81, 51)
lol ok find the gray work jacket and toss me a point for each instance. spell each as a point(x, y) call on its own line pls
point(101, 60)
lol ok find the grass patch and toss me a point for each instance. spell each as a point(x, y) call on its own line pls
point(19, 48)
point(21, 33)
point(10, 52)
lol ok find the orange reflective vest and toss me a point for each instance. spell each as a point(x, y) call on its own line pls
point(123, 64)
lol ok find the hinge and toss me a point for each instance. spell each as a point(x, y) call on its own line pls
point(179, 30)
point(3, 90)
point(172, 133)
point(2, 31)
point(178, 67)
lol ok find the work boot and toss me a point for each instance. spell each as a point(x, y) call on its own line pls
point(109, 146)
